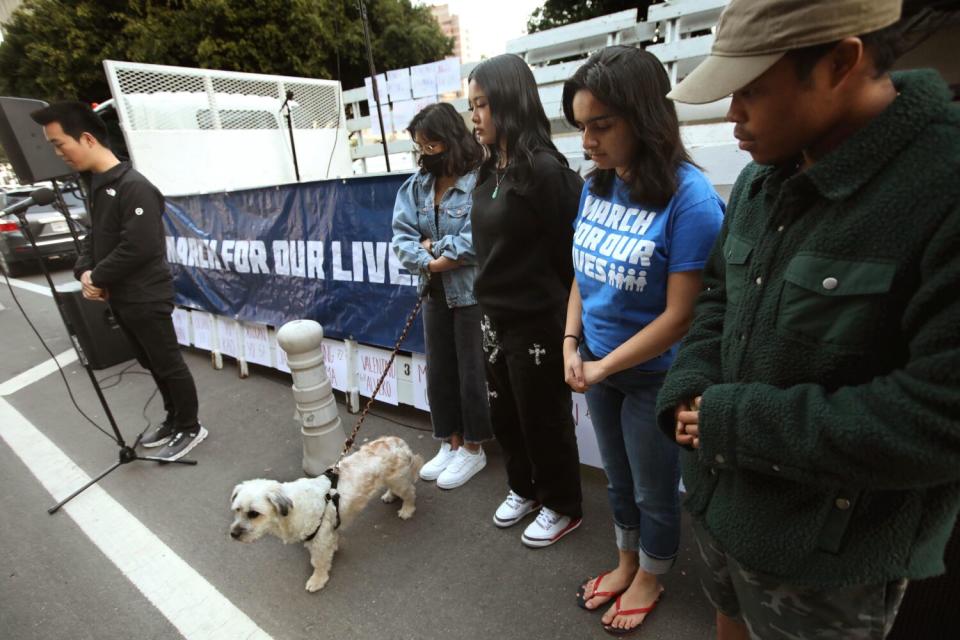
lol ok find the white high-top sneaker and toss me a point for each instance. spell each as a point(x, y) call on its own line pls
point(512, 510)
point(435, 466)
point(549, 527)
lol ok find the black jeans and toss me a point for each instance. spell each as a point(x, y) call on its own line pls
point(456, 386)
point(149, 328)
point(532, 411)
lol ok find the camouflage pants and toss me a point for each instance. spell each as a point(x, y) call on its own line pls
point(773, 610)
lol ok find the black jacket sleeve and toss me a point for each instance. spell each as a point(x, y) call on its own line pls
point(141, 234)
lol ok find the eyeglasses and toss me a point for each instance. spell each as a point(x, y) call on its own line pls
point(429, 148)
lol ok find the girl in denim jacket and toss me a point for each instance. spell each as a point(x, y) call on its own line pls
point(432, 237)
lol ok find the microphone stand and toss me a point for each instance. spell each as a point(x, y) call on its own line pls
point(65, 210)
point(127, 453)
point(293, 146)
point(373, 79)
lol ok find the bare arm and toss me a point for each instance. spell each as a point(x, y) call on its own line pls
point(572, 364)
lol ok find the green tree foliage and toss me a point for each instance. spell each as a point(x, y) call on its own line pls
point(556, 13)
point(54, 49)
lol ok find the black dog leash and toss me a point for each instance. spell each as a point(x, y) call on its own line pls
point(333, 473)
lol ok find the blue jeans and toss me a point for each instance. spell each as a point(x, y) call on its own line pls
point(642, 466)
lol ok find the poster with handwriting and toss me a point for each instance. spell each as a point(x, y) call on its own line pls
point(279, 355)
point(371, 363)
point(448, 76)
point(403, 112)
point(256, 344)
point(586, 438)
point(202, 323)
point(418, 376)
point(227, 330)
point(398, 85)
point(423, 77)
point(335, 361)
point(181, 324)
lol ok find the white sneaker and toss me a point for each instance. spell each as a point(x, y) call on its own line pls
point(435, 466)
point(512, 510)
point(549, 527)
point(464, 466)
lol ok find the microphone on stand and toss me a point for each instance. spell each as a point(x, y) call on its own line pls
point(41, 196)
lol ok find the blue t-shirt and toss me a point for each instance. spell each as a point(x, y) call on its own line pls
point(624, 251)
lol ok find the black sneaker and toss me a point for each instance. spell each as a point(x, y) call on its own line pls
point(158, 435)
point(182, 442)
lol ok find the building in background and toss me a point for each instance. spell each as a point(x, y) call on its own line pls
point(6, 9)
point(450, 26)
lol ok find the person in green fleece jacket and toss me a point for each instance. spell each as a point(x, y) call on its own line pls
point(817, 394)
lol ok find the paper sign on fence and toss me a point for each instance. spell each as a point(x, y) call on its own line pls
point(256, 344)
point(371, 364)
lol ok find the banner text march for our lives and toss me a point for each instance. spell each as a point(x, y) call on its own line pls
point(319, 250)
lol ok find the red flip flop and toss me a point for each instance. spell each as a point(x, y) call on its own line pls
point(614, 631)
point(582, 592)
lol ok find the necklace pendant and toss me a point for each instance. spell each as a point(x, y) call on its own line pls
point(496, 190)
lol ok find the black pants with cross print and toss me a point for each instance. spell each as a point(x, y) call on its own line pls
point(531, 410)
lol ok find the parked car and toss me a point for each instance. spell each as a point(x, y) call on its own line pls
point(49, 226)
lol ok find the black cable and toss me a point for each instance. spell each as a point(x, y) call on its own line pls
point(336, 131)
point(59, 368)
point(119, 376)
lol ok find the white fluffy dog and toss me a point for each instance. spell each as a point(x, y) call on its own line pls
point(302, 511)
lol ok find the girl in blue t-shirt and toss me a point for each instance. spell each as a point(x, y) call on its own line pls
point(647, 221)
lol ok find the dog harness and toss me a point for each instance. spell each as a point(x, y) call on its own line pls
point(331, 495)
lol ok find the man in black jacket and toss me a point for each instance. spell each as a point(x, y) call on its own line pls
point(122, 261)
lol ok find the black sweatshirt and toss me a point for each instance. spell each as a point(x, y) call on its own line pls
point(125, 250)
point(523, 240)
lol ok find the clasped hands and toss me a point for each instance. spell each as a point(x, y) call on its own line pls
point(580, 375)
point(687, 416)
point(91, 291)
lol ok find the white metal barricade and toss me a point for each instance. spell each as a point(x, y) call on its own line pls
point(202, 131)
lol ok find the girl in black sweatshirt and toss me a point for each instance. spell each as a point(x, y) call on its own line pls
point(523, 210)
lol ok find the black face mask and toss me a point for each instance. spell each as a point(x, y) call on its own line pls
point(434, 164)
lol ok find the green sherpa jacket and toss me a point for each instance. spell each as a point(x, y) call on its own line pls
point(826, 345)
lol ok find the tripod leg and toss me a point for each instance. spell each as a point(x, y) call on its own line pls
point(73, 495)
point(164, 460)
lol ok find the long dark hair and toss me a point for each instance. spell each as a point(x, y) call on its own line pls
point(518, 115)
point(634, 85)
point(441, 123)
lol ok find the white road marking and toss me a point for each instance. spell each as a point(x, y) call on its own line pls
point(191, 604)
point(29, 286)
point(42, 370)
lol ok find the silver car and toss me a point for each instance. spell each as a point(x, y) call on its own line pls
point(49, 226)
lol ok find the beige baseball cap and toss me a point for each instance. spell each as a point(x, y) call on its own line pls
point(753, 34)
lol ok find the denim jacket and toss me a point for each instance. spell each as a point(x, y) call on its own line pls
point(413, 220)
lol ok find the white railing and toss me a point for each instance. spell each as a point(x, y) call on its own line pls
point(673, 31)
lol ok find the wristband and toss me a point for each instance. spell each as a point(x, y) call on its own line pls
point(577, 338)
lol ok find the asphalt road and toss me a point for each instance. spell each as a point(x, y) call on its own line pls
point(446, 573)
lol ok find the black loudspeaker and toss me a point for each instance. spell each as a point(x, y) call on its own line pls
point(101, 338)
point(32, 157)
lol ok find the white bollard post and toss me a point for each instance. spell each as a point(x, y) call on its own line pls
point(323, 435)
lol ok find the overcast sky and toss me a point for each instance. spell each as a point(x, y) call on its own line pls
point(490, 22)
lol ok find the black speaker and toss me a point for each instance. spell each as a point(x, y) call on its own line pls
point(32, 157)
point(101, 339)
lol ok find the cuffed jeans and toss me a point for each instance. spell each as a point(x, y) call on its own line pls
point(149, 329)
point(642, 465)
point(456, 384)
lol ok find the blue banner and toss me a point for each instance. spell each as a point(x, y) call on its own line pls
point(319, 250)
